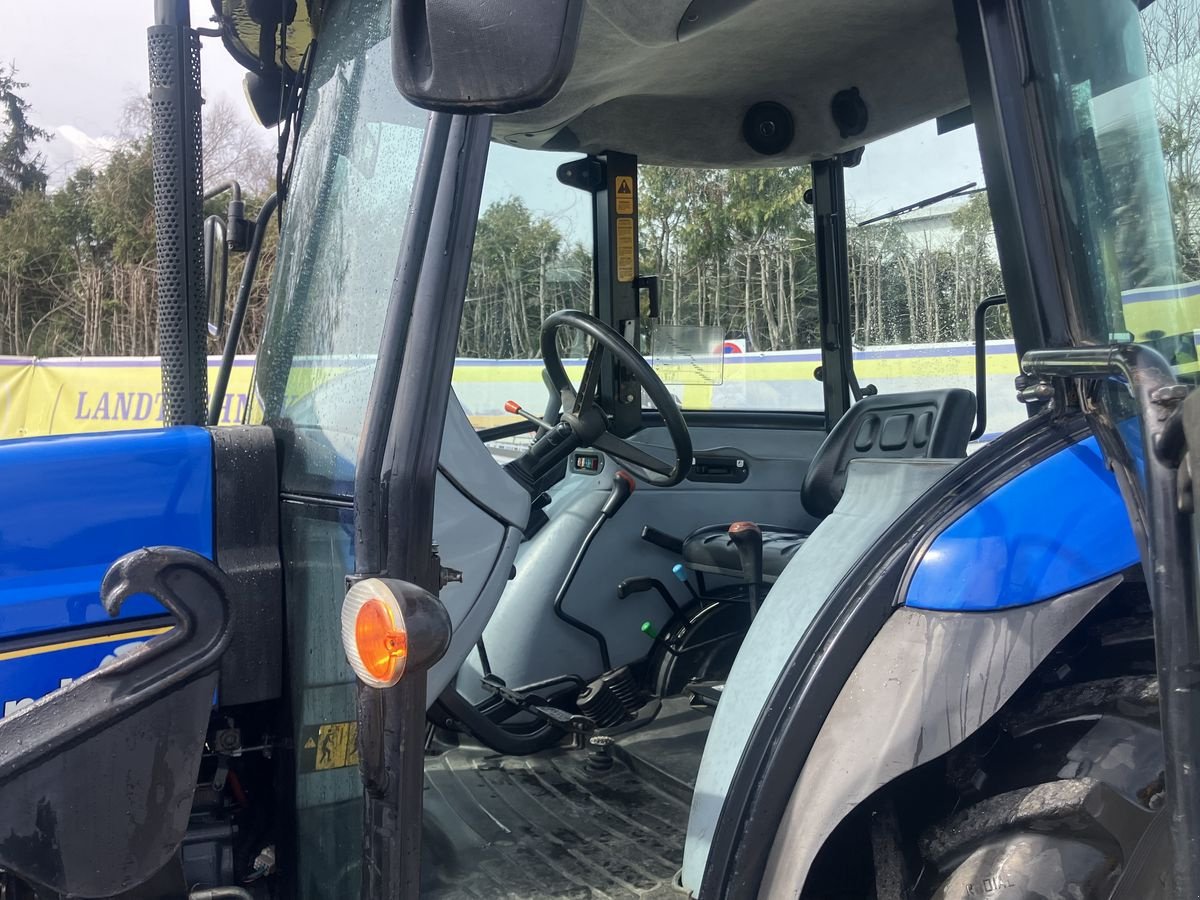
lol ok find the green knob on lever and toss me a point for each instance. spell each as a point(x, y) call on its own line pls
point(649, 630)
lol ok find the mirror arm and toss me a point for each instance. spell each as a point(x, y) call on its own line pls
point(232, 186)
point(238, 227)
point(221, 385)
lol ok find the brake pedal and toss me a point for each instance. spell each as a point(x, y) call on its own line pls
point(537, 706)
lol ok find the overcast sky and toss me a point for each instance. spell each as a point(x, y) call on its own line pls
point(84, 59)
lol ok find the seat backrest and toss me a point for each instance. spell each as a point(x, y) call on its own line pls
point(915, 425)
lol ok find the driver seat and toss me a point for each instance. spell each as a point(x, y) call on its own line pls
point(932, 424)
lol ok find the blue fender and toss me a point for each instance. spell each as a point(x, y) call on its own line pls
point(1055, 527)
point(69, 507)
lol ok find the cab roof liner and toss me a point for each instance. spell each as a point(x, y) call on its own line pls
point(672, 80)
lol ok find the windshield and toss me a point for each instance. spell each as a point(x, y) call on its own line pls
point(343, 227)
point(1118, 97)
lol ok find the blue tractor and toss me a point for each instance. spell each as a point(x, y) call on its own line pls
point(365, 644)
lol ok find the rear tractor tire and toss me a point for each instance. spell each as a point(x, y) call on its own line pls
point(1056, 807)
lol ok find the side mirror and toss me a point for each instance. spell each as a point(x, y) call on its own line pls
point(216, 272)
point(465, 56)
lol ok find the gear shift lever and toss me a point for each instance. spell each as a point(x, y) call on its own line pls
point(747, 537)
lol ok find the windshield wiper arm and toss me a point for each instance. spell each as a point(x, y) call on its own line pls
point(968, 188)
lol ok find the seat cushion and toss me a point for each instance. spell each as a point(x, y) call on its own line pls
point(709, 549)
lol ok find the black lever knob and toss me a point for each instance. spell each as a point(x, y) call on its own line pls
point(637, 585)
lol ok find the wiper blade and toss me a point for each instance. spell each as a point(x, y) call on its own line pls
point(969, 188)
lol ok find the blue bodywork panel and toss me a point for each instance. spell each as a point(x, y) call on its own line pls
point(26, 675)
point(1057, 526)
point(69, 507)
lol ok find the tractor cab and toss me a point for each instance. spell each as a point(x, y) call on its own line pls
point(726, 450)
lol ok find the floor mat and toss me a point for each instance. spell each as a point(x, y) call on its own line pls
point(668, 751)
point(547, 826)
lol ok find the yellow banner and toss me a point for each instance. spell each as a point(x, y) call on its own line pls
point(70, 396)
point(16, 375)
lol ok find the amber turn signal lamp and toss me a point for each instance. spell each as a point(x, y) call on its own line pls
point(374, 636)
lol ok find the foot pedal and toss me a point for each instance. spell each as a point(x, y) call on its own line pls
point(537, 706)
point(706, 693)
point(602, 705)
point(622, 683)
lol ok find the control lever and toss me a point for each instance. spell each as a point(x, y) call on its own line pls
point(747, 538)
point(622, 488)
point(668, 542)
point(679, 570)
point(651, 632)
point(513, 408)
point(638, 585)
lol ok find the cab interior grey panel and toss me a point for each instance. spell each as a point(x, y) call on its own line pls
point(671, 82)
point(466, 462)
point(470, 605)
point(928, 681)
point(478, 516)
point(877, 492)
point(527, 642)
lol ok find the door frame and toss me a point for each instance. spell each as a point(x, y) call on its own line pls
point(395, 476)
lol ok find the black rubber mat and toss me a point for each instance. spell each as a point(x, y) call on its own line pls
point(668, 751)
point(547, 826)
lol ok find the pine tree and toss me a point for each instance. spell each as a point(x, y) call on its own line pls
point(21, 169)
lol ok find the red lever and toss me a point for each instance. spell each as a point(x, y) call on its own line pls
point(512, 407)
point(622, 487)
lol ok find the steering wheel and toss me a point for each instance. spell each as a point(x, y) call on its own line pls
point(587, 424)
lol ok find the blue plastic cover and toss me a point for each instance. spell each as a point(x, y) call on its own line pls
point(1057, 526)
point(69, 507)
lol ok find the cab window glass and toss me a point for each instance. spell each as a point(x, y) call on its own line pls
point(735, 255)
point(344, 224)
point(922, 256)
point(532, 256)
point(1122, 100)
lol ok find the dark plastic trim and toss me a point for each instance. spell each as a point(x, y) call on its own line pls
point(246, 542)
point(395, 482)
point(89, 771)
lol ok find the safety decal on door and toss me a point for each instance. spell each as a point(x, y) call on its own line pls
point(330, 746)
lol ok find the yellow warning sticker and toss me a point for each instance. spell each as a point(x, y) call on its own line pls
point(626, 250)
point(330, 746)
point(624, 195)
